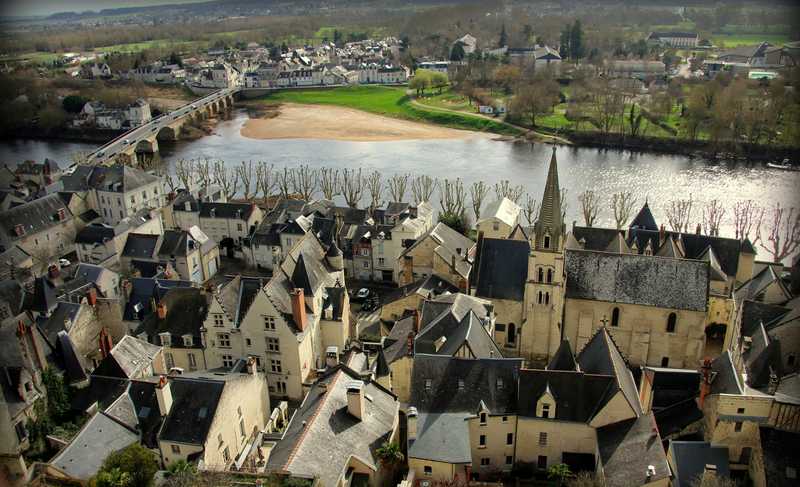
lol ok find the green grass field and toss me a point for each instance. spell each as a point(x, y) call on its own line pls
point(735, 40)
point(389, 101)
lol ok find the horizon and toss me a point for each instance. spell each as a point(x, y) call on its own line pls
point(44, 8)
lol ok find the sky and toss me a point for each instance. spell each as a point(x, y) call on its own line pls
point(47, 7)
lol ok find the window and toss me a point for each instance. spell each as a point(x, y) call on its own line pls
point(226, 455)
point(133, 199)
point(366, 264)
point(218, 320)
point(615, 317)
point(239, 227)
point(482, 441)
point(241, 428)
point(671, 322)
point(224, 340)
point(428, 384)
point(511, 337)
point(541, 275)
point(269, 323)
point(175, 449)
point(737, 426)
point(121, 214)
point(275, 365)
point(381, 261)
point(483, 418)
point(539, 298)
point(364, 252)
point(740, 411)
point(542, 439)
point(541, 462)
point(248, 342)
point(665, 361)
point(549, 276)
point(790, 360)
point(546, 298)
point(504, 419)
point(485, 461)
point(547, 241)
point(192, 361)
point(188, 340)
point(144, 195)
point(273, 344)
point(545, 411)
point(509, 460)
point(170, 360)
point(460, 384)
point(495, 226)
point(509, 438)
point(500, 384)
point(227, 360)
point(281, 386)
point(428, 470)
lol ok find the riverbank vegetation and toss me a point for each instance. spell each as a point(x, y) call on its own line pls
point(391, 102)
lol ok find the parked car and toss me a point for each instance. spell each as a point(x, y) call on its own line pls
point(64, 263)
point(361, 295)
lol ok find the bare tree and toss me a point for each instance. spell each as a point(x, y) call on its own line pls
point(172, 182)
point(352, 186)
point(422, 187)
point(504, 189)
point(564, 204)
point(247, 176)
point(452, 197)
point(265, 179)
point(622, 203)
point(679, 214)
point(227, 178)
point(375, 185)
point(284, 182)
point(185, 172)
point(783, 232)
point(530, 209)
point(304, 181)
point(329, 182)
point(398, 184)
point(713, 481)
point(590, 206)
point(586, 479)
point(478, 192)
point(747, 218)
point(712, 217)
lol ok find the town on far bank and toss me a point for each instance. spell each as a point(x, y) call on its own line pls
point(209, 322)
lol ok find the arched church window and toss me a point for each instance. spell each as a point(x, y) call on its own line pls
point(615, 317)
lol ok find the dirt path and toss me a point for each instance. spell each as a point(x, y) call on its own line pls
point(296, 121)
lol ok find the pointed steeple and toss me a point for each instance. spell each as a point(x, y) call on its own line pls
point(550, 225)
point(644, 219)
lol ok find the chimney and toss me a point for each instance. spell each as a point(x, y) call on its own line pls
point(410, 344)
point(698, 230)
point(252, 367)
point(417, 321)
point(106, 343)
point(705, 382)
point(92, 297)
point(453, 262)
point(661, 235)
point(299, 308)
point(161, 310)
point(127, 287)
point(355, 398)
point(408, 270)
point(164, 395)
point(411, 423)
point(332, 357)
point(709, 474)
point(439, 343)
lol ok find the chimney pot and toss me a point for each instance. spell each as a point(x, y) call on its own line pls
point(299, 308)
point(161, 309)
point(164, 395)
point(355, 398)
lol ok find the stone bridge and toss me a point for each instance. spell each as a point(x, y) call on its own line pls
point(144, 139)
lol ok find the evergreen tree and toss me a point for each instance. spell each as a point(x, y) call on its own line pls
point(503, 37)
point(563, 47)
point(337, 37)
point(457, 53)
point(576, 41)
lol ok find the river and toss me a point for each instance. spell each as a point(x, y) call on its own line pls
point(657, 177)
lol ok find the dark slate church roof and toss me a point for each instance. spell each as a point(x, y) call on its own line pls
point(628, 448)
point(578, 396)
point(194, 405)
point(502, 268)
point(644, 219)
point(635, 279)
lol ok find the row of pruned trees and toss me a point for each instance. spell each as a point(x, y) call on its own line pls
point(775, 229)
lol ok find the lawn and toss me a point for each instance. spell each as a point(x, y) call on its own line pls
point(388, 101)
point(449, 101)
point(134, 47)
point(736, 40)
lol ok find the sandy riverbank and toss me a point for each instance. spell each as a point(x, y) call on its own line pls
point(338, 123)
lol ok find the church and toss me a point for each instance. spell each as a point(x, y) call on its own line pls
point(665, 298)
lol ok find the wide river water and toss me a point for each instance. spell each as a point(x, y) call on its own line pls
point(657, 177)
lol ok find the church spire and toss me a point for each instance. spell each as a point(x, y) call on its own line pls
point(549, 227)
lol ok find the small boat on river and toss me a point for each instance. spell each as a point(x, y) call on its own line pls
point(785, 165)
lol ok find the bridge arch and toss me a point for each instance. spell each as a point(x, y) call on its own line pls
point(147, 145)
point(167, 133)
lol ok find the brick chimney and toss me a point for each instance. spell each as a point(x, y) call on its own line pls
point(411, 423)
point(410, 344)
point(407, 273)
point(705, 381)
point(161, 310)
point(417, 321)
point(92, 297)
point(164, 395)
point(106, 342)
point(662, 233)
point(299, 308)
point(37, 348)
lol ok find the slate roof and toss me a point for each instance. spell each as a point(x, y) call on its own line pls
point(228, 211)
point(99, 437)
point(601, 356)
point(442, 437)
point(689, 459)
point(480, 384)
point(579, 396)
point(119, 178)
point(504, 210)
point(34, 216)
point(323, 436)
point(756, 286)
point(130, 358)
point(563, 359)
point(237, 295)
point(458, 318)
point(57, 321)
point(194, 405)
point(644, 219)
point(395, 344)
point(502, 269)
point(143, 396)
point(146, 289)
point(428, 287)
point(778, 459)
point(725, 379)
point(44, 296)
point(141, 246)
point(635, 279)
point(627, 449)
point(187, 309)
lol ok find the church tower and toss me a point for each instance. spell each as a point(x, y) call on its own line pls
point(544, 289)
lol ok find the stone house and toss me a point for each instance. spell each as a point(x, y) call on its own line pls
point(287, 323)
point(498, 219)
point(190, 253)
point(491, 414)
point(45, 228)
point(102, 244)
point(40, 175)
point(409, 298)
point(175, 325)
point(226, 223)
point(441, 251)
point(209, 419)
point(347, 418)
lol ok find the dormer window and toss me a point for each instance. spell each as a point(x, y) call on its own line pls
point(499, 384)
point(188, 340)
point(428, 384)
point(546, 405)
point(460, 384)
point(164, 338)
point(483, 418)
